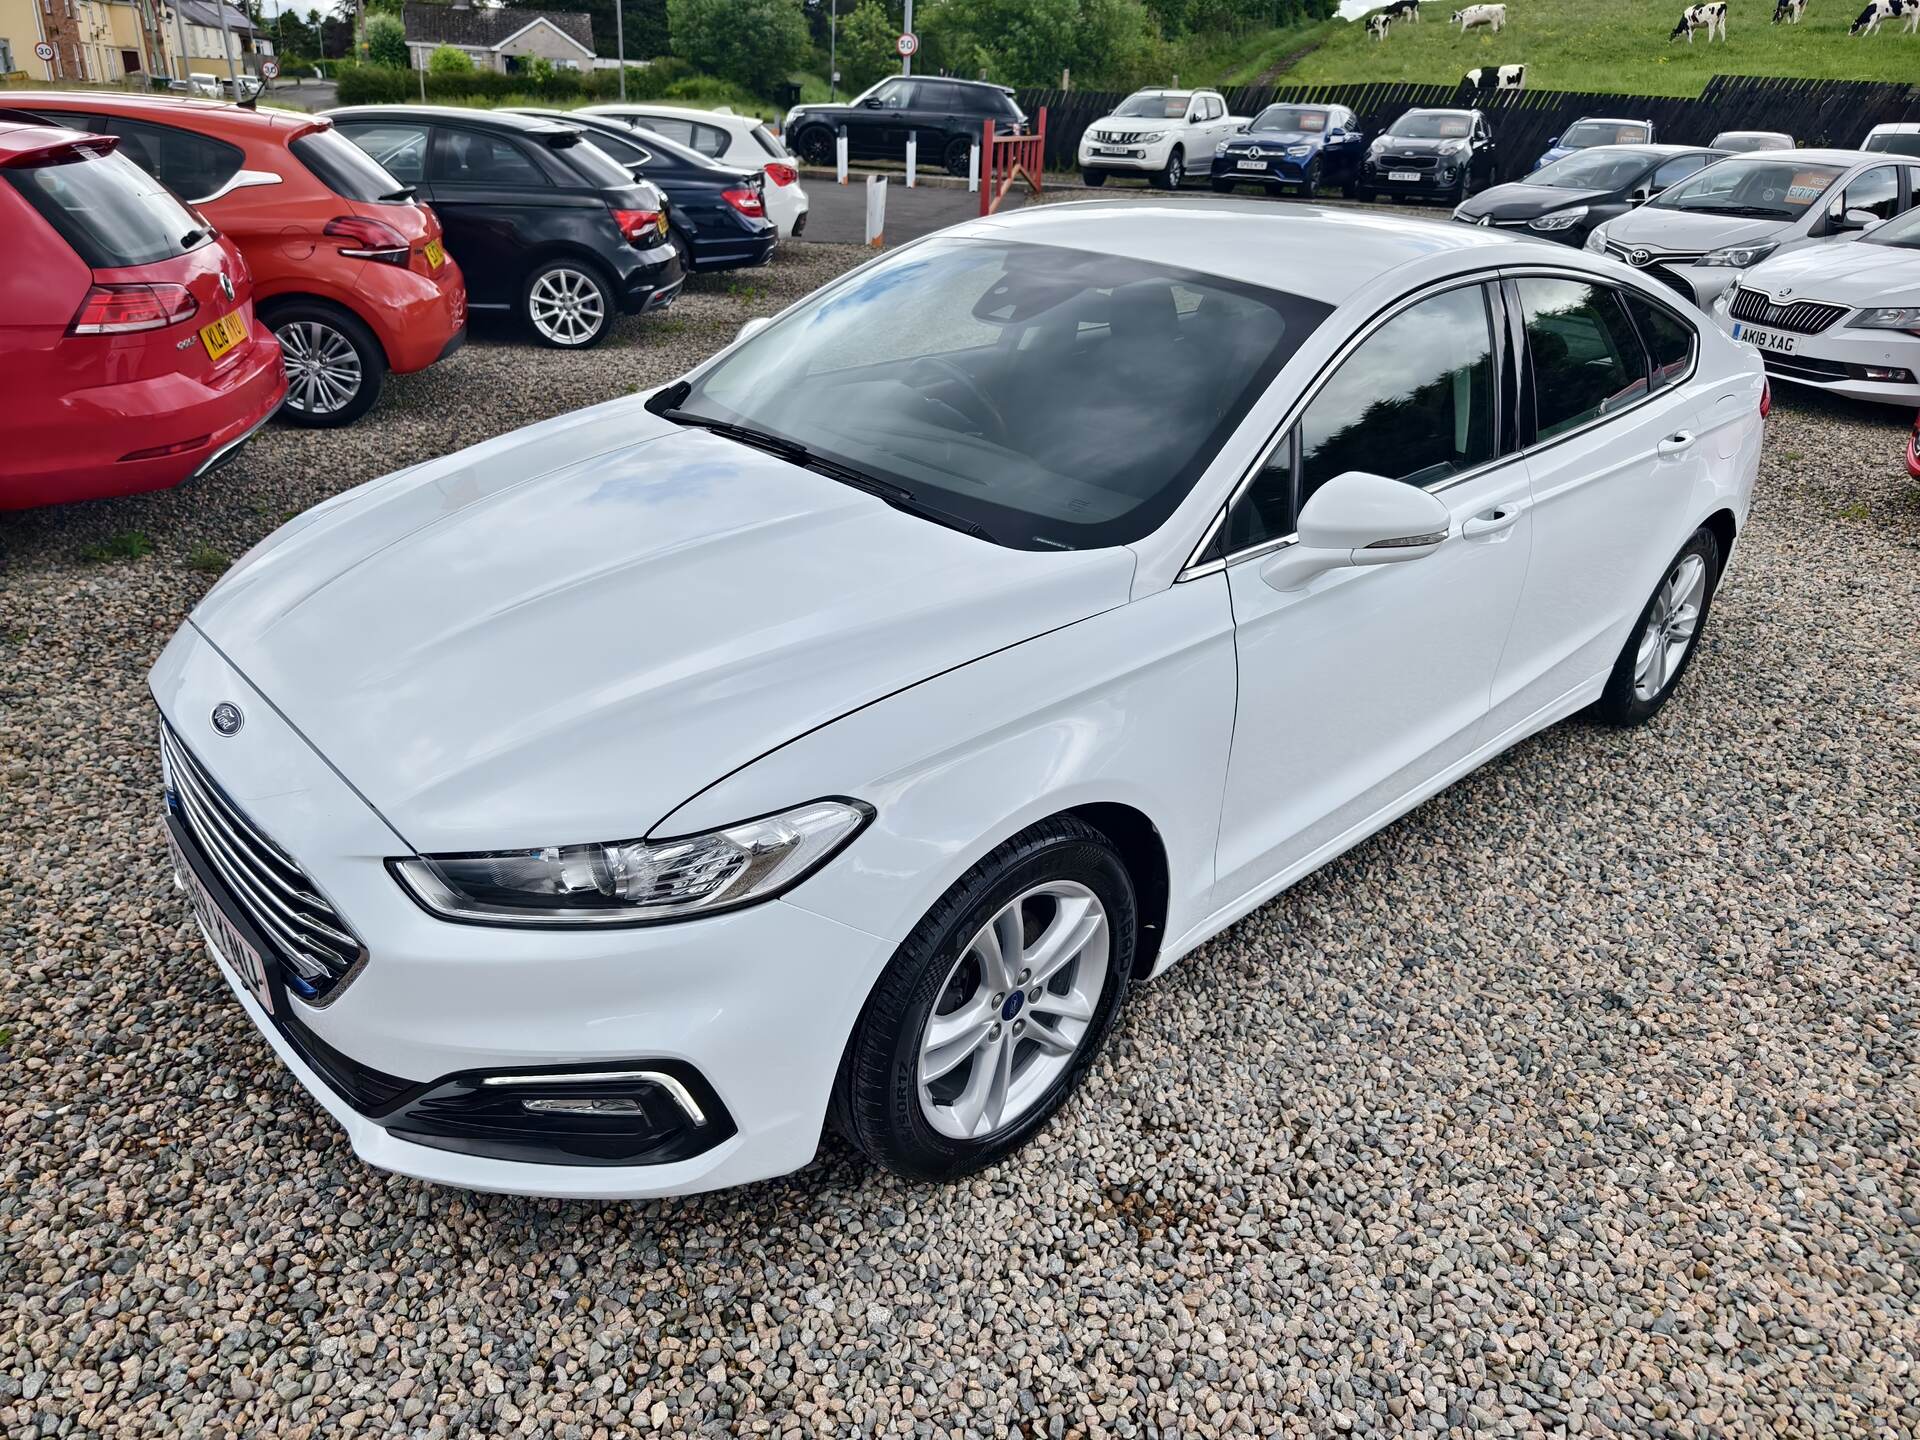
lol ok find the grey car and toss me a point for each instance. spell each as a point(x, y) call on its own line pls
point(1701, 234)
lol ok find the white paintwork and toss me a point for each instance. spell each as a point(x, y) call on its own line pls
point(1195, 139)
point(785, 203)
point(605, 626)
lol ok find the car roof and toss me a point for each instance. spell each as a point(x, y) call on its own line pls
point(1322, 253)
point(725, 119)
point(1897, 127)
point(203, 116)
point(1643, 147)
point(1613, 120)
point(1828, 156)
point(504, 119)
point(1441, 110)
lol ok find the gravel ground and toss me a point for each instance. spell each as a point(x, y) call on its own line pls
point(1582, 1100)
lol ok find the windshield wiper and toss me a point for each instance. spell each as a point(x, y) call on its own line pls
point(1758, 212)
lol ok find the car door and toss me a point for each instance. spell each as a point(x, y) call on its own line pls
point(1619, 435)
point(490, 194)
point(1341, 146)
point(1363, 688)
point(878, 127)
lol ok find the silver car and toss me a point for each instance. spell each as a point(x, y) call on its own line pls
point(1698, 236)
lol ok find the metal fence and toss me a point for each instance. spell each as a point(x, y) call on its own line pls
point(1816, 112)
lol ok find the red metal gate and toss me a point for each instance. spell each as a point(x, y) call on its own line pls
point(1007, 158)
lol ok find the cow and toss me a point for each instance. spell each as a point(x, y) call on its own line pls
point(1377, 27)
point(1709, 18)
point(1402, 10)
point(1474, 16)
point(1789, 11)
point(1485, 78)
point(1879, 10)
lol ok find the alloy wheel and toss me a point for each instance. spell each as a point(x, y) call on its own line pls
point(1013, 1010)
point(1176, 172)
point(1671, 626)
point(323, 368)
point(566, 306)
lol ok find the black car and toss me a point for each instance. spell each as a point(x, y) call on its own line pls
point(947, 115)
point(543, 223)
point(1434, 154)
point(716, 213)
point(1564, 200)
point(1303, 145)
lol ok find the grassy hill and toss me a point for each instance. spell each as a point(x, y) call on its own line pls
point(1614, 45)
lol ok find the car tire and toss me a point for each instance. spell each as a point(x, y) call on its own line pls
point(681, 249)
point(567, 304)
point(1310, 186)
point(1093, 178)
point(335, 366)
point(815, 145)
point(926, 1123)
point(1350, 188)
point(1666, 635)
point(1221, 187)
point(1363, 193)
point(1169, 176)
point(957, 155)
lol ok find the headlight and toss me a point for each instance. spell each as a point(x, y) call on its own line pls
point(1453, 147)
point(1152, 137)
point(1891, 317)
point(632, 882)
point(1736, 257)
point(1559, 219)
point(1596, 240)
point(1299, 152)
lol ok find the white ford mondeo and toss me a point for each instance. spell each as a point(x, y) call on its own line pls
point(837, 734)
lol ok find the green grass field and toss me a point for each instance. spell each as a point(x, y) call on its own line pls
point(1611, 45)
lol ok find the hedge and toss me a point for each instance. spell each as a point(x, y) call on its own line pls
point(382, 85)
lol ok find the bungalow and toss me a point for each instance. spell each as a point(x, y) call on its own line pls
point(502, 40)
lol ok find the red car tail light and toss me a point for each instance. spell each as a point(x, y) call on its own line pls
point(123, 309)
point(782, 174)
point(371, 239)
point(154, 452)
point(639, 226)
point(1766, 397)
point(747, 202)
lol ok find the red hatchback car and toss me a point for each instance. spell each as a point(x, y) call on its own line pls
point(130, 358)
point(348, 269)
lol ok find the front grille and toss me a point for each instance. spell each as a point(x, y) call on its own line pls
point(318, 949)
point(1804, 317)
point(1118, 137)
point(1409, 162)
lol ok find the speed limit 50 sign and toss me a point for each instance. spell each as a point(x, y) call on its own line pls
point(907, 44)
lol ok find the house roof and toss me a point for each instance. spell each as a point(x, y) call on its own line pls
point(486, 29)
point(207, 13)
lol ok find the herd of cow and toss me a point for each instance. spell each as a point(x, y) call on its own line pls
point(1710, 17)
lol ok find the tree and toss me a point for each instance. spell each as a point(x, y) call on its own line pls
point(386, 42)
point(866, 46)
point(1106, 43)
point(753, 43)
point(449, 60)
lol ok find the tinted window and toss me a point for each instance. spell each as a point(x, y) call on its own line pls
point(344, 168)
point(933, 96)
point(1432, 125)
point(1877, 192)
point(1603, 132)
point(1004, 382)
point(591, 164)
point(468, 157)
point(1587, 358)
point(109, 210)
point(1591, 170)
point(1668, 338)
point(1894, 144)
point(619, 147)
point(769, 142)
point(710, 140)
point(192, 166)
point(1290, 118)
point(1678, 169)
point(395, 146)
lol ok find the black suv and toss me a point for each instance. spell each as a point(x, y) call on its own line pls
point(1439, 154)
point(946, 114)
point(543, 223)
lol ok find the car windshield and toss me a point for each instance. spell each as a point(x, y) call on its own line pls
point(347, 170)
point(1047, 398)
point(1153, 107)
point(1763, 186)
point(1603, 132)
point(1429, 125)
point(108, 209)
point(1740, 140)
point(1903, 231)
point(1896, 144)
point(1592, 170)
point(1290, 118)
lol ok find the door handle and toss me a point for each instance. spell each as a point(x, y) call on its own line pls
point(1490, 522)
point(1677, 443)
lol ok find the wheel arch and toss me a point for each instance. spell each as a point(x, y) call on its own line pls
point(1725, 530)
point(265, 307)
point(1144, 853)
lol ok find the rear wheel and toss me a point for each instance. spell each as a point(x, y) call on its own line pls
point(1664, 638)
point(567, 304)
point(1175, 170)
point(335, 366)
point(958, 155)
point(814, 145)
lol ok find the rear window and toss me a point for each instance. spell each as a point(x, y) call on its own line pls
point(591, 163)
point(109, 210)
point(1894, 144)
point(347, 170)
point(769, 142)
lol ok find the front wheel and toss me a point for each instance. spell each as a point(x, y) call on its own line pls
point(1093, 178)
point(990, 1012)
point(1175, 170)
point(335, 366)
point(1221, 186)
point(567, 305)
point(1663, 639)
point(1310, 186)
point(1363, 193)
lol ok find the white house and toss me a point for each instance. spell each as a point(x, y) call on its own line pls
point(502, 40)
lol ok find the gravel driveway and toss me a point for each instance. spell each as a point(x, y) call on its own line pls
point(1582, 1099)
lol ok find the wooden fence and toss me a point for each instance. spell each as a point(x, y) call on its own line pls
point(1816, 112)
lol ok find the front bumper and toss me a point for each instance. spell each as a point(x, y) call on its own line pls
point(1138, 159)
point(1269, 167)
point(1434, 182)
point(748, 1010)
point(1838, 358)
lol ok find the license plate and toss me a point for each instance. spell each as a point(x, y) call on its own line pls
point(661, 224)
point(225, 941)
point(1411, 176)
point(1252, 165)
point(223, 334)
point(1763, 339)
point(436, 254)
point(1109, 150)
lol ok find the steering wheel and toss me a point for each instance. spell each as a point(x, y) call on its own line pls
point(985, 410)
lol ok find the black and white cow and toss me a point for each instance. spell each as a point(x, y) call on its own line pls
point(1474, 16)
point(1400, 12)
point(1870, 18)
point(1377, 27)
point(1710, 18)
point(1789, 11)
point(1487, 78)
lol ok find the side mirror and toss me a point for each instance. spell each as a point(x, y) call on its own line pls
point(872, 102)
point(1641, 195)
point(752, 327)
point(1359, 519)
point(1552, 140)
point(1857, 219)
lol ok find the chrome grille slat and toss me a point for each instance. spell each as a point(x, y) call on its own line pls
point(265, 880)
point(1803, 317)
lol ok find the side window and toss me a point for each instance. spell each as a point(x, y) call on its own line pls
point(1587, 358)
point(398, 147)
point(467, 157)
point(1414, 402)
point(667, 127)
point(192, 166)
point(895, 95)
point(1877, 192)
point(710, 140)
point(1668, 338)
point(1676, 170)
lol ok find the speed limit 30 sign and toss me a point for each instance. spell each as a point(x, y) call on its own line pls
point(45, 51)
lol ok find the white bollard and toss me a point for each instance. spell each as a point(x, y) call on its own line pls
point(913, 154)
point(973, 169)
point(840, 155)
point(876, 210)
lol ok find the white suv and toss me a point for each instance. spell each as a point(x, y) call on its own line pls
point(742, 140)
point(1161, 134)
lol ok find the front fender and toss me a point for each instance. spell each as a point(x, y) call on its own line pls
point(1133, 706)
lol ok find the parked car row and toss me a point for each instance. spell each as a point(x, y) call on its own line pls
point(363, 239)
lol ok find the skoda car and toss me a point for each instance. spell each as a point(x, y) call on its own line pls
point(1305, 146)
point(1699, 235)
point(1564, 201)
point(838, 734)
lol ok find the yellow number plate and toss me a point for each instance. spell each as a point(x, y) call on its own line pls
point(436, 255)
point(662, 223)
point(223, 334)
